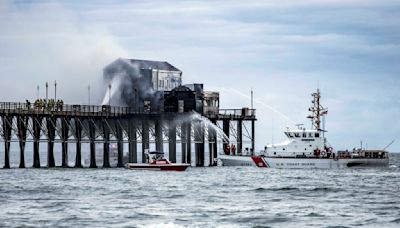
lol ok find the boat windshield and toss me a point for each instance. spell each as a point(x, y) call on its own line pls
point(156, 152)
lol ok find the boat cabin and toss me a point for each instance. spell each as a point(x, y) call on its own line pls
point(157, 157)
point(300, 143)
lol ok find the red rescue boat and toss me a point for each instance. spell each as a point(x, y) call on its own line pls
point(157, 162)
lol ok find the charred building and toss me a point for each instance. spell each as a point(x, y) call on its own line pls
point(154, 86)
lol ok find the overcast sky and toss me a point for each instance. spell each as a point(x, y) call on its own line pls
point(284, 50)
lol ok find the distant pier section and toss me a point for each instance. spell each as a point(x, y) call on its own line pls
point(153, 110)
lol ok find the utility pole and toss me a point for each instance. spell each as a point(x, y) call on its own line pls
point(38, 95)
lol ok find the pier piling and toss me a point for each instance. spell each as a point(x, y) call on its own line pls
point(7, 129)
point(120, 145)
point(226, 129)
point(199, 143)
point(145, 139)
point(213, 147)
point(106, 149)
point(239, 139)
point(92, 138)
point(132, 154)
point(22, 123)
point(51, 129)
point(159, 135)
point(78, 138)
point(64, 141)
point(172, 141)
point(37, 128)
point(188, 143)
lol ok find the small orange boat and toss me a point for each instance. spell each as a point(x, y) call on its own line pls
point(157, 162)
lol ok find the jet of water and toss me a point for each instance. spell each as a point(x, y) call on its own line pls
point(115, 84)
point(220, 133)
point(261, 103)
point(194, 116)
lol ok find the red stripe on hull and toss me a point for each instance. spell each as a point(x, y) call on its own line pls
point(259, 161)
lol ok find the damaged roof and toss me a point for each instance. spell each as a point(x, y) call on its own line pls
point(147, 64)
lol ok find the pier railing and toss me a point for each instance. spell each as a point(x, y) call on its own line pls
point(237, 113)
point(105, 110)
point(57, 109)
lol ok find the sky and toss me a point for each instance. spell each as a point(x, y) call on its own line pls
point(283, 50)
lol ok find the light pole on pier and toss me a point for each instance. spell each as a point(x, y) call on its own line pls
point(251, 98)
point(55, 90)
point(109, 94)
point(88, 94)
point(47, 92)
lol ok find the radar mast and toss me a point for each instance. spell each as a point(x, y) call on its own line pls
point(317, 111)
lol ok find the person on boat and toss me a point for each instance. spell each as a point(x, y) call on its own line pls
point(233, 149)
point(228, 149)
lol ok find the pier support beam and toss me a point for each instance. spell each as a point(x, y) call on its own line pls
point(120, 145)
point(199, 143)
point(145, 139)
point(92, 137)
point(37, 127)
point(106, 150)
point(51, 132)
point(225, 128)
point(22, 123)
point(7, 129)
point(132, 154)
point(78, 135)
point(172, 141)
point(239, 136)
point(64, 144)
point(213, 144)
point(159, 136)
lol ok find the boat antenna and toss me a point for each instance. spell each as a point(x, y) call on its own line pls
point(317, 111)
point(389, 144)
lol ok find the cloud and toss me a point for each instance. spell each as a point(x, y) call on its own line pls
point(47, 42)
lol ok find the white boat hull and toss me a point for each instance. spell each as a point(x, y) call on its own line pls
point(301, 163)
point(228, 160)
point(298, 163)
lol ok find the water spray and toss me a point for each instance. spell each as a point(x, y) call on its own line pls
point(262, 103)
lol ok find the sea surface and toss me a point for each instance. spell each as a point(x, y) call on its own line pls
point(201, 197)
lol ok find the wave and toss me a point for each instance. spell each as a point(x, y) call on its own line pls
point(316, 189)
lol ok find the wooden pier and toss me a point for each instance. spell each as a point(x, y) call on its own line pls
point(22, 123)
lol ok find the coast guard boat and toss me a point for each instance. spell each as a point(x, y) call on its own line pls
point(309, 149)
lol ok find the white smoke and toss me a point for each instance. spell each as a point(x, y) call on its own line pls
point(129, 86)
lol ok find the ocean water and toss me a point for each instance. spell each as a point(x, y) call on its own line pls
point(201, 197)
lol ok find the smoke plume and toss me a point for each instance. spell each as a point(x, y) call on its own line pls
point(130, 85)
